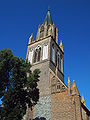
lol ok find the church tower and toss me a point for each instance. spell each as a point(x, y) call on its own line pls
point(56, 100)
point(45, 54)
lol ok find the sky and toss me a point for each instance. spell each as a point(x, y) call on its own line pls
point(20, 18)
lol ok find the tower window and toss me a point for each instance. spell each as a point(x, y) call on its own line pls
point(39, 54)
point(61, 63)
point(45, 52)
point(53, 54)
point(58, 60)
point(42, 32)
point(35, 56)
point(30, 56)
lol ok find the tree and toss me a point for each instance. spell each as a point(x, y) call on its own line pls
point(18, 86)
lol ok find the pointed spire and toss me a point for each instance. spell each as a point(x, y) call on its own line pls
point(61, 45)
point(68, 81)
point(48, 19)
point(74, 88)
point(83, 100)
point(30, 39)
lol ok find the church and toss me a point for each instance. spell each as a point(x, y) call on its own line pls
point(57, 101)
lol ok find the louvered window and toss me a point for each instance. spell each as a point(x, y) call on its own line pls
point(30, 56)
point(45, 52)
point(53, 54)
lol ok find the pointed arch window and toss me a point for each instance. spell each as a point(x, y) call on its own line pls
point(42, 31)
point(37, 54)
point(30, 56)
point(61, 63)
point(45, 52)
point(58, 60)
point(53, 54)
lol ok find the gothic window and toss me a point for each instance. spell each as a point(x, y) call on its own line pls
point(53, 54)
point(58, 60)
point(35, 56)
point(30, 56)
point(61, 63)
point(39, 54)
point(42, 32)
point(45, 52)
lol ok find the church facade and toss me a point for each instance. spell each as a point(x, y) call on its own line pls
point(57, 101)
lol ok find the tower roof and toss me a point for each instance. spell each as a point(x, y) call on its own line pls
point(48, 19)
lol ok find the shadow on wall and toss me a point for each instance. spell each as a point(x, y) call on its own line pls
point(41, 118)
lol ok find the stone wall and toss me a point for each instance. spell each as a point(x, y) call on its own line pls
point(43, 108)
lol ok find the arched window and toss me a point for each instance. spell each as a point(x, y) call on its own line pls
point(30, 56)
point(61, 63)
point(45, 52)
point(35, 56)
point(42, 31)
point(39, 54)
point(58, 60)
point(53, 54)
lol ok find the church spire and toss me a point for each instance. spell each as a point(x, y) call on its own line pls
point(48, 19)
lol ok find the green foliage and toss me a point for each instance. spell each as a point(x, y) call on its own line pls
point(18, 86)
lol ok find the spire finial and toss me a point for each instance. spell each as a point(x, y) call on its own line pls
point(48, 8)
point(48, 19)
point(61, 45)
point(68, 79)
point(83, 100)
point(31, 39)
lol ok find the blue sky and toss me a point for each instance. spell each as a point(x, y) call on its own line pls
point(20, 18)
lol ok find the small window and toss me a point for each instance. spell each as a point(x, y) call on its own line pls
point(58, 86)
point(63, 88)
